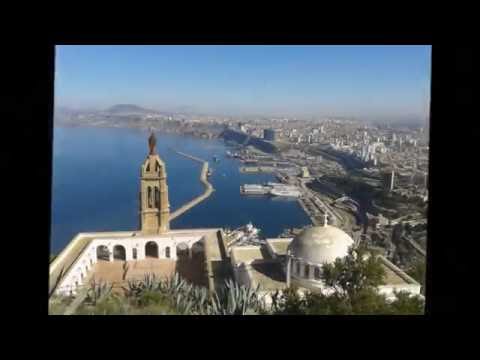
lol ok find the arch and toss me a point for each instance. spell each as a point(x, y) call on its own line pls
point(81, 275)
point(151, 249)
point(167, 252)
point(316, 273)
point(182, 250)
point(119, 253)
point(157, 197)
point(149, 196)
point(306, 271)
point(134, 253)
point(91, 261)
point(103, 253)
point(297, 268)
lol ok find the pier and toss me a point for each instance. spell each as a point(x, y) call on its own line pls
point(257, 169)
point(203, 179)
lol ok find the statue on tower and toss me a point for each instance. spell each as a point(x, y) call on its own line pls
point(152, 141)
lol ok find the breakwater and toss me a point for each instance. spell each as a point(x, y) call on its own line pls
point(203, 179)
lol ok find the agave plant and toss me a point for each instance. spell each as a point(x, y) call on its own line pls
point(98, 292)
point(125, 267)
point(134, 289)
point(237, 300)
point(150, 282)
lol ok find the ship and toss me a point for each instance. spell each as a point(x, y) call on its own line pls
point(209, 172)
point(285, 193)
point(246, 235)
point(254, 189)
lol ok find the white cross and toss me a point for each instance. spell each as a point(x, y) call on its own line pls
point(325, 219)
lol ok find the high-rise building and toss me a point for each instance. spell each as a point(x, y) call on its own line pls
point(270, 134)
point(305, 173)
point(392, 180)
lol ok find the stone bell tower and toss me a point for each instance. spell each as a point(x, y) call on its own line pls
point(154, 206)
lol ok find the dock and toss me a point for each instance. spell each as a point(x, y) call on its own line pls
point(257, 169)
point(203, 179)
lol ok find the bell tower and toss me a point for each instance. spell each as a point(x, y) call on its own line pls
point(154, 206)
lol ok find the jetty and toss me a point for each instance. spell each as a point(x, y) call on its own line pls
point(203, 179)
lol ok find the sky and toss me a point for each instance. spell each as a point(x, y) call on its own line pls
point(371, 82)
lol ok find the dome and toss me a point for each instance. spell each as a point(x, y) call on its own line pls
point(320, 244)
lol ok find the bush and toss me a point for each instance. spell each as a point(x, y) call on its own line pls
point(171, 296)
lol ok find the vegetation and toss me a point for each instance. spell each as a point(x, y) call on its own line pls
point(173, 296)
point(353, 281)
point(418, 272)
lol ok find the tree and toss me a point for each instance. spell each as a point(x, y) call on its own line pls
point(288, 302)
point(322, 304)
point(354, 273)
point(354, 280)
point(418, 271)
point(406, 304)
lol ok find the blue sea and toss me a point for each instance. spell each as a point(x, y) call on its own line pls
point(96, 183)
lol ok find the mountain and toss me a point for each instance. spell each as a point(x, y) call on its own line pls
point(124, 109)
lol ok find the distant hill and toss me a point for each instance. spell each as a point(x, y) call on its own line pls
point(128, 109)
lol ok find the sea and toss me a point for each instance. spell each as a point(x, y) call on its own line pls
point(96, 182)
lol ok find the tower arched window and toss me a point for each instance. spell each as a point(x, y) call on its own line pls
point(298, 268)
point(157, 197)
point(316, 273)
point(149, 196)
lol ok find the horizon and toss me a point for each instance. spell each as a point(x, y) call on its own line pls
point(371, 83)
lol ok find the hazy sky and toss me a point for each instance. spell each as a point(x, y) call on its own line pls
point(363, 81)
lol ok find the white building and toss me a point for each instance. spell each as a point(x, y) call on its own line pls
point(301, 260)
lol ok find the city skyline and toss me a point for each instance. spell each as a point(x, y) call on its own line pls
point(387, 83)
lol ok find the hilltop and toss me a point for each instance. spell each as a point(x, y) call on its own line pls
point(128, 109)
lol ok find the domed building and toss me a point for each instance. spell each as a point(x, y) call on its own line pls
point(312, 248)
point(298, 262)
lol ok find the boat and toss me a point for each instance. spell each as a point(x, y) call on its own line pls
point(285, 192)
point(254, 189)
point(246, 235)
point(209, 172)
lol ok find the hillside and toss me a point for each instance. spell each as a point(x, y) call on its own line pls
point(128, 109)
